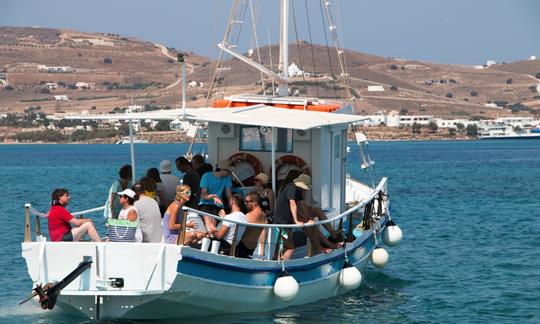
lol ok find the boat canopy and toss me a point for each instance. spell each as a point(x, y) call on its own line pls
point(257, 115)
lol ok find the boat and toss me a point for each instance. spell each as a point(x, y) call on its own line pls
point(504, 131)
point(126, 140)
point(150, 281)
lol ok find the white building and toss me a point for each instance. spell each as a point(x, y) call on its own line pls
point(377, 88)
point(85, 85)
point(532, 58)
point(418, 119)
point(490, 63)
point(61, 98)
point(294, 70)
point(51, 85)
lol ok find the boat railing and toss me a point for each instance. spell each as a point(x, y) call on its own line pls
point(29, 210)
point(374, 204)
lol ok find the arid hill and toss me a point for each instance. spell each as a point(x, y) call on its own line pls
point(123, 70)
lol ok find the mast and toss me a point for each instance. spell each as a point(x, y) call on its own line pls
point(284, 48)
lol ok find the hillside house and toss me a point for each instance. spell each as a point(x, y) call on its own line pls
point(85, 85)
point(377, 88)
point(61, 98)
point(51, 85)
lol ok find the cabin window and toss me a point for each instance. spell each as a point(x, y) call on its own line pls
point(254, 138)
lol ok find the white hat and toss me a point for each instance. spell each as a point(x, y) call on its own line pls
point(128, 192)
point(303, 181)
point(165, 166)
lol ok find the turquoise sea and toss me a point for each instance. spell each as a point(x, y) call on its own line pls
point(469, 211)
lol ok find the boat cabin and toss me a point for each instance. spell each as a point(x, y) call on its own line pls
point(267, 138)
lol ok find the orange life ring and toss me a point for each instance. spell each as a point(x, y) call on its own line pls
point(243, 157)
point(294, 160)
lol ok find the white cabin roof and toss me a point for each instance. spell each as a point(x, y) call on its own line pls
point(258, 115)
point(262, 115)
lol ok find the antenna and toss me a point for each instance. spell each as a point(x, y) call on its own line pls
point(180, 58)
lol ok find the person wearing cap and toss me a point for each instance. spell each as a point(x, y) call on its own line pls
point(213, 187)
point(112, 205)
point(127, 199)
point(267, 197)
point(287, 207)
point(129, 212)
point(290, 209)
point(169, 181)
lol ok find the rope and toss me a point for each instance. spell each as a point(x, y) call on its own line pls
point(298, 50)
point(328, 48)
point(311, 45)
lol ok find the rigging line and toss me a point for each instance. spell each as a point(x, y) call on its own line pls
point(298, 50)
point(328, 48)
point(254, 17)
point(340, 51)
point(271, 64)
point(311, 45)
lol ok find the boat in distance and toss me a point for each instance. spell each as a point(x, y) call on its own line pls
point(254, 133)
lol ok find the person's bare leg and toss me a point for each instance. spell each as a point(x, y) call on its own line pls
point(210, 224)
point(317, 212)
point(85, 228)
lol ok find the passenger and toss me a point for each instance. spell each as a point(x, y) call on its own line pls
point(60, 221)
point(160, 196)
point(172, 221)
point(213, 186)
point(128, 212)
point(169, 181)
point(191, 178)
point(112, 205)
point(148, 210)
point(252, 235)
point(266, 195)
point(197, 161)
point(310, 212)
point(226, 232)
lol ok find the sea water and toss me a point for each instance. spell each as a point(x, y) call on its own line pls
point(469, 211)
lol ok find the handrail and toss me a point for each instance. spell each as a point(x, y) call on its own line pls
point(35, 212)
point(360, 204)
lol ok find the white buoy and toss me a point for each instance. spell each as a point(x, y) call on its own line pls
point(286, 288)
point(350, 278)
point(379, 257)
point(392, 234)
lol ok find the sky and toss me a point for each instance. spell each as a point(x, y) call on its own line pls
point(441, 31)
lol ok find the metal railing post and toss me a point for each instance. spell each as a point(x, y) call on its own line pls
point(27, 229)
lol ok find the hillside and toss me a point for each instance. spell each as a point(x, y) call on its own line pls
point(124, 70)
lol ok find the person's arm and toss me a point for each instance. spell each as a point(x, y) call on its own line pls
point(132, 215)
point(220, 234)
point(79, 221)
point(294, 212)
point(173, 211)
point(271, 201)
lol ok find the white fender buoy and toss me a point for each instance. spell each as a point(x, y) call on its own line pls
point(350, 278)
point(286, 288)
point(379, 257)
point(392, 234)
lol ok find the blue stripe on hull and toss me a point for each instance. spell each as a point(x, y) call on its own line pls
point(266, 274)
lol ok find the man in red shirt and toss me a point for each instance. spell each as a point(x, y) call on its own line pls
point(60, 221)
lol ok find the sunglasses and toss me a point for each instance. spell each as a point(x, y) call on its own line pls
point(248, 201)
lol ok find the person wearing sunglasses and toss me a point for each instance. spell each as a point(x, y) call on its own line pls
point(172, 220)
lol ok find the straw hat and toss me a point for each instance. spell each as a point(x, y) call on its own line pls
point(303, 181)
point(262, 177)
point(224, 165)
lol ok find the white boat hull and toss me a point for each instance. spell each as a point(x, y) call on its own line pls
point(202, 283)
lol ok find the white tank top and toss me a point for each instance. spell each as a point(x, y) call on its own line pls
point(124, 213)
